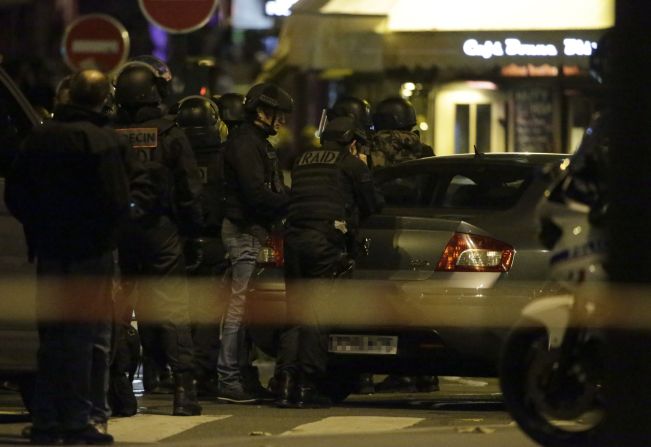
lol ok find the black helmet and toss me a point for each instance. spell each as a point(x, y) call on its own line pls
point(394, 114)
point(342, 130)
point(356, 108)
point(268, 95)
point(231, 108)
point(142, 80)
point(197, 111)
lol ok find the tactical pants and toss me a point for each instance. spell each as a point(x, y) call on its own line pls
point(152, 266)
point(312, 259)
point(208, 300)
point(73, 306)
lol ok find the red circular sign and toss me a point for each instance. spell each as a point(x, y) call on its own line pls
point(95, 41)
point(178, 16)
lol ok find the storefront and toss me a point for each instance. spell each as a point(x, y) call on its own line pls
point(503, 75)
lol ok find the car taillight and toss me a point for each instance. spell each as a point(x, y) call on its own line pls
point(271, 253)
point(472, 253)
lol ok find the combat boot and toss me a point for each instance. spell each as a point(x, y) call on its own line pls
point(185, 395)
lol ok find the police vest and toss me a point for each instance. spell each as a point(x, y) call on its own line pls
point(210, 161)
point(149, 142)
point(318, 189)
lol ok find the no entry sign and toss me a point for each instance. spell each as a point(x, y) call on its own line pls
point(178, 16)
point(95, 41)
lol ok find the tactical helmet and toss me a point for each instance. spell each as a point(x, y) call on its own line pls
point(356, 108)
point(197, 111)
point(142, 80)
point(342, 130)
point(268, 95)
point(394, 114)
point(62, 95)
point(231, 108)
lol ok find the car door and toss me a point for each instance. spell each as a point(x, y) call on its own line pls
point(18, 338)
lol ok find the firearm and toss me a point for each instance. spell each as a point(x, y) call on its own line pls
point(322, 123)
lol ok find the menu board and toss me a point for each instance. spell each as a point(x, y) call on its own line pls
point(534, 123)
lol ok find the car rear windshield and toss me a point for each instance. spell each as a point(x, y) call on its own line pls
point(486, 187)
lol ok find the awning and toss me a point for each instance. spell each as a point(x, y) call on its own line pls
point(374, 35)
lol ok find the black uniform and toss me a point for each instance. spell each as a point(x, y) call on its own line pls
point(150, 249)
point(331, 191)
point(70, 190)
point(207, 296)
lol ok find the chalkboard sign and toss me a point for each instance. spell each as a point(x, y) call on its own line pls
point(534, 123)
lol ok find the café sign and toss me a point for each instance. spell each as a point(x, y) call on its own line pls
point(514, 47)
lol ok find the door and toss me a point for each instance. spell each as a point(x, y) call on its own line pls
point(469, 114)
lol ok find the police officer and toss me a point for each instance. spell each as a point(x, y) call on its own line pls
point(395, 140)
point(70, 189)
point(150, 250)
point(255, 199)
point(231, 110)
point(360, 111)
point(198, 116)
point(332, 191)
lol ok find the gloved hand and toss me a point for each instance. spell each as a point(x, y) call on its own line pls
point(193, 250)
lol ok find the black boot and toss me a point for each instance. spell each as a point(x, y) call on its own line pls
point(185, 395)
point(150, 375)
point(285, 389)
point(309, 396)
point(365, 384)
point(120, 396)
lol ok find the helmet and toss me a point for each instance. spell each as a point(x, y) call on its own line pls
point(356, 108)
point(342, 130)
point(394, 114)
point(197, 111)
point(268, 95)
point(62, 95)
point(142, 80)
point(231, 107)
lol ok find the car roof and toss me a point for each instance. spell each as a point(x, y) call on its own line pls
point(492, 158)
point(533, 158)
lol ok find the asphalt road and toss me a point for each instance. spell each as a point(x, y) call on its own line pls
point(465, 412)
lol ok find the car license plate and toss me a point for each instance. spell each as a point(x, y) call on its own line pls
point(363, 344)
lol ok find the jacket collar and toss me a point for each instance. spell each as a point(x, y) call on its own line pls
point(72, 113)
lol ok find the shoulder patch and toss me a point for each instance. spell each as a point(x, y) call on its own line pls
point(141, 137)
point(318, 157)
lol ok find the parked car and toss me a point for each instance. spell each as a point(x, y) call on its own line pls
point(18, 337)
point(452, 259)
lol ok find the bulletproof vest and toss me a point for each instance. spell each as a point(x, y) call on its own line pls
point(318, 189)
point(210, 160)
point(149, 140)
